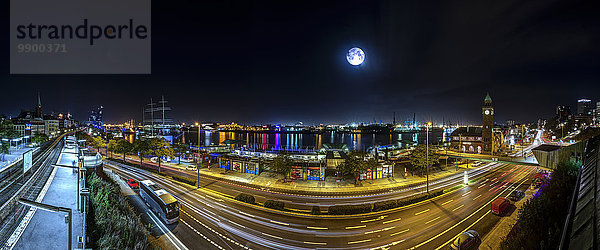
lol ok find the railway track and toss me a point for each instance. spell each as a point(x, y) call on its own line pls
point(28, 186)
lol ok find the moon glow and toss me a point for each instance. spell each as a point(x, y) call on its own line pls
point(355, 56)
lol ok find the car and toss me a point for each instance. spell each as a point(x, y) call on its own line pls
point(500, 206)
point(132, 184)
point(466, 240)
point(191, 167)
point(516, 195)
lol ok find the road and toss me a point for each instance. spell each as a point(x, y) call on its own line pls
point(209, 216)
point(428, 225)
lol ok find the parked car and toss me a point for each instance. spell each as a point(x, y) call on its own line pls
point(466, 240)
point(132, 184)
point(516, 195)
point(500, 205)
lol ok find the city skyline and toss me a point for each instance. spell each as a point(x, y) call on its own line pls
point(263, 124)
point(256, 63)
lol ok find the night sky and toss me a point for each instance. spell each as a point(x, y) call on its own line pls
point(284, 62)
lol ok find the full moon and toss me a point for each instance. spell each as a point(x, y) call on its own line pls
point(355, 56)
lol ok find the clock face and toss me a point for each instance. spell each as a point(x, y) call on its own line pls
point(487, 112)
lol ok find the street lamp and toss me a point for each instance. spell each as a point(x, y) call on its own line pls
point(199, 159)
point(562, 131)
point(50, 208)
point(198, 125)
point(427, 154)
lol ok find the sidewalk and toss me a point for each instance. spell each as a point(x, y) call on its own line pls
point(271, 180)
point(48, 230)
point(329, 187)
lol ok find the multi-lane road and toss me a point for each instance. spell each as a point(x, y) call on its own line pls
point(209, 219)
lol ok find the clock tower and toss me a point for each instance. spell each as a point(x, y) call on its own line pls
point(488, 124)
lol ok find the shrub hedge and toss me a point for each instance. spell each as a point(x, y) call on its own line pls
point(315, 210)
point(185, 180)
point(350, 209)
point(378, 206)
point(274, 204)
point(113, 225)
point(245, 198)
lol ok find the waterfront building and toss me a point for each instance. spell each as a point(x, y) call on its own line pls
point(95, 118)
point(562, 113)
point(477, 139)
point(584, 107)
point(597, 114)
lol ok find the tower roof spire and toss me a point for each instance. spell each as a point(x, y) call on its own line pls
point(487, 99)
point(39, 100)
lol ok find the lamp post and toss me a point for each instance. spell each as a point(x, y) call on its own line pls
point(199, 159)
point(68, 217)
point(562, 131)
point(427, 153)
point(198, 125)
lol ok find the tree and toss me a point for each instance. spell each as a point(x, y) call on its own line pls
point(3, 149)
point(418, 158)
point(141, 148)
point(160, 148)
point(123, 146)
point(356, 163)
point(40, 138)
point(98, 142)
point(111, 146)
point(7, 130)
point(180, 149)
point(282, 164)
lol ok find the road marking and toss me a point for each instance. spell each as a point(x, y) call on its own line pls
point(481, 186)
point(429, 221)
point(446, 202)
point(220, 200)
point(172, 238)
point(318, 228)
point(456, 224)
point(376, 219)
point(247, 214)
point(199, 233)
point(279, 222)
point(390, 221)
point(354, 227)
point(358, 241)
point(466, 193)
point(236, 224)
point(396, 233)
point(276, 237)
point(380, 230)
point(457, 208)
point(315, 243)
point(424, 211)
point(476, 197)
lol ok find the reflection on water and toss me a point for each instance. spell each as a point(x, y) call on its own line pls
point(310, 141)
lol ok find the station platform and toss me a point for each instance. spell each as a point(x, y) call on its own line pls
point(42, 229)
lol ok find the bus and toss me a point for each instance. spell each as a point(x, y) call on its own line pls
point(163, 204)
